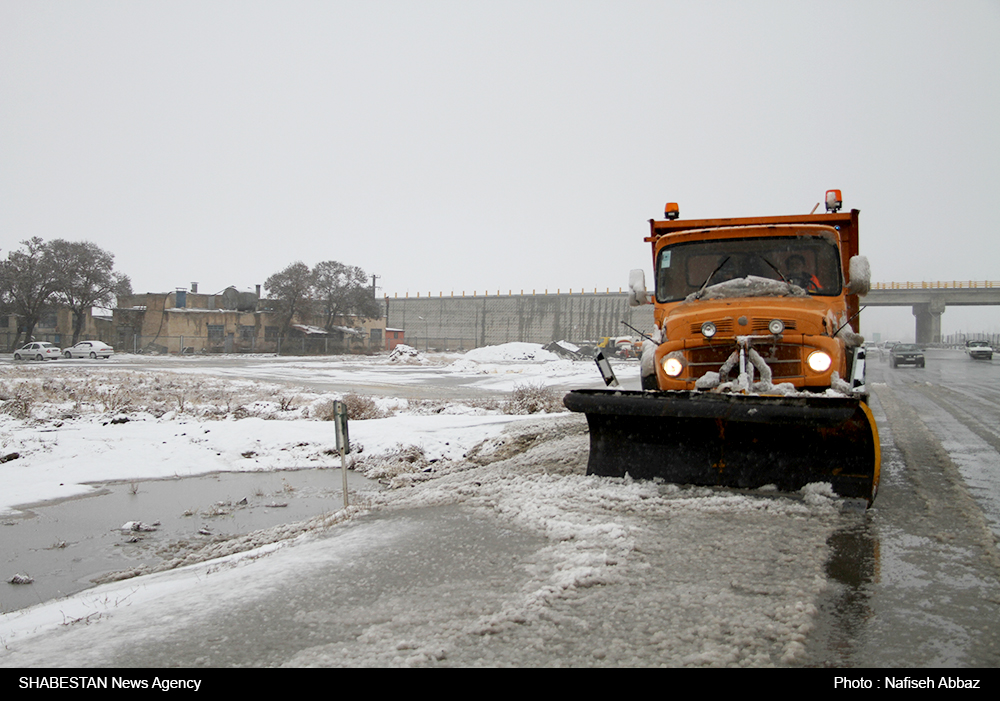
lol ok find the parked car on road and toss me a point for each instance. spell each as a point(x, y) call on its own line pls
point(37, 350)
point(89, 349)
point(906, 354)
point(979, 350)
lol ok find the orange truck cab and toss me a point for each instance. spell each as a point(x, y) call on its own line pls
point(777, 287)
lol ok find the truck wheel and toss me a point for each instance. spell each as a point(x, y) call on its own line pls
point(649, 382)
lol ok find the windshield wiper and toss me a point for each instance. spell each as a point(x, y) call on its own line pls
point(709, 278)
point(774, 268)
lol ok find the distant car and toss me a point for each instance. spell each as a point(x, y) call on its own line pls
point(89, 349)
point(979, 350)
point(906, 354)
point(884, 347)
point(37, 350)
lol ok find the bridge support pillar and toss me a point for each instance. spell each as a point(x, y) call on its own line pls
point(928, 316)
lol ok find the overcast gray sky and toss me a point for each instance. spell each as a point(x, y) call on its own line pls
point(470, 145)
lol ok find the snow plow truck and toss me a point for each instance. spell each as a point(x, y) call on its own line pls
point(754, 374)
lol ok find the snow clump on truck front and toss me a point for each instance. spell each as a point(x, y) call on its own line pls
point(749, 286)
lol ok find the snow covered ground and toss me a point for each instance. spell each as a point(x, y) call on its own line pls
point(491, 546)
point(72, 423)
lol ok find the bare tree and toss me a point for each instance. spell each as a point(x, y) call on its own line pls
point(343, 291)
point(86, 279)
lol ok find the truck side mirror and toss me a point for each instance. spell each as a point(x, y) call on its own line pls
point(859, 276)
point(637, 294)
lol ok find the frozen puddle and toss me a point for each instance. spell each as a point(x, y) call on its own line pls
point(63, 545)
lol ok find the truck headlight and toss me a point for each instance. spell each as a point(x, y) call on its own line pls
point(672, 365)
point(819, 361)
point(708, 329)
point(776, 326)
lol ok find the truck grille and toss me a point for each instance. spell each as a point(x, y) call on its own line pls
point(722, 326)
point(785, 360)
point(725, 327)
point(760, 325)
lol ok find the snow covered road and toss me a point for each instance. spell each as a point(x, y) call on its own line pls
point(512, 556)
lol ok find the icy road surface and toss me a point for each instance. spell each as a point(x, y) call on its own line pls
point(512, 556)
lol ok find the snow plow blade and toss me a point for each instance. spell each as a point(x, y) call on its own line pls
point(732, 440)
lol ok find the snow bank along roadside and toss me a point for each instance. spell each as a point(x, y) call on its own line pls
point(61, 427)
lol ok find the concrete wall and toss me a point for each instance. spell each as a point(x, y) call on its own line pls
point(457, 323)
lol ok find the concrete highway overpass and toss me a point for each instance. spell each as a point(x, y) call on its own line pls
point(929, 300)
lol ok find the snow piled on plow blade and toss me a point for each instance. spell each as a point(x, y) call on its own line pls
point(727, 440)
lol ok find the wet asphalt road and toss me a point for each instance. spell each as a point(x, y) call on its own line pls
point(926, 592)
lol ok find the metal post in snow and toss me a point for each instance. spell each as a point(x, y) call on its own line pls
point(343, 442)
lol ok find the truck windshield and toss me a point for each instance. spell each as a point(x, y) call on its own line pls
point(810, 262)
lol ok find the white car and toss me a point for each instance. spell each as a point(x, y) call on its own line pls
point(89, 349)
point(979, 350)
point(37, 350)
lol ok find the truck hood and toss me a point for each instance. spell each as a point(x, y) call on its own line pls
point(800, 314)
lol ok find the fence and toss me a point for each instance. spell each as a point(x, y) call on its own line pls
point(132, 343)
point(282, 345)
point(8, 339)
point(959, 339)
point(939, 285)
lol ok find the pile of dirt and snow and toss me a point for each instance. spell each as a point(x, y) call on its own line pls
point(511, 352)
point(407, 355)
point(508, 360)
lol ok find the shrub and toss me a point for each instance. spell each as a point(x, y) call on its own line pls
point(532, 399)
point(362, 407)
point(389, 466)
point(358, 408)
point(18, 406)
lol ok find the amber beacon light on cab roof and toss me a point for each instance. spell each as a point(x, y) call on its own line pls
point(754, 374)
